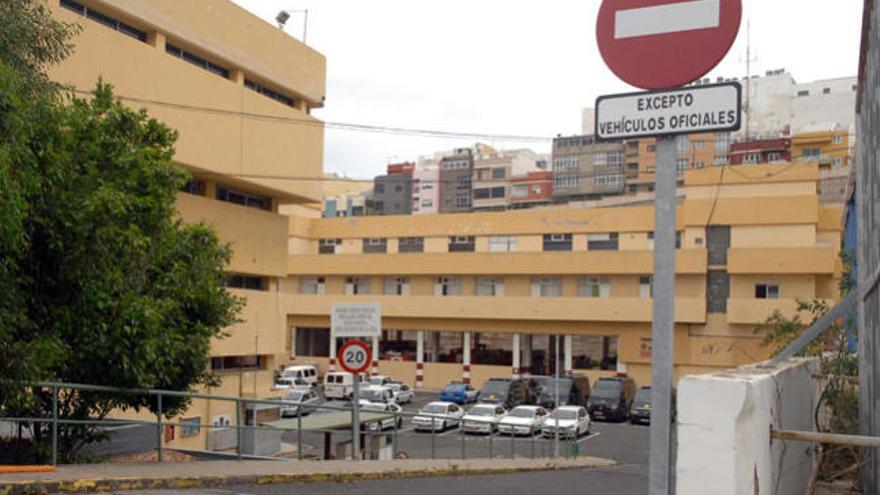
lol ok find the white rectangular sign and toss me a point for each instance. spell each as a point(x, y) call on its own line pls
point(356, 320)
point(690, 110)
point(669, 18)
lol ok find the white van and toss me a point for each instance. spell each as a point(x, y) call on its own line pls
point(340, 385)
point(303, 373)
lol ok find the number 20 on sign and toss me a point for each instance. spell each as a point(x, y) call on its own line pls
point(354, 356)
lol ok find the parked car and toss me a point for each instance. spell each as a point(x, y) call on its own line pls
point(568, 421)
point(482, 418)
point(285, 384)
point(523, 420)
point(298, 402)
point(380, 380)
point(459, 393)
point(509, 393)
point(403, 393)
point(376, 394)
point(306, 373)
point(395, 421)
point(574, 390)
point(437, 416)
point(612, 398)
point(640, 412)
point(340, 385)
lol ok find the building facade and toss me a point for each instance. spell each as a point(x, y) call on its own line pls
point(487, 295)
point(584, 168)
point(533, 189)
point(456, 186)
point(767, 150)
point(393, 192)
point(166, 53)
point(426, 188)
point(493, 176)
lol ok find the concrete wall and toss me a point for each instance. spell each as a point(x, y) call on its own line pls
point(724, 422)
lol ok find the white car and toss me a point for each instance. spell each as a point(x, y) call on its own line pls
point(377, 395)
point(298, 402)
point(482, 418)
point(285, 384)
point(385, 424)
point(403, 393)
point(437, 416)
point(569, 421)
point(379, 380)
point(523, 420)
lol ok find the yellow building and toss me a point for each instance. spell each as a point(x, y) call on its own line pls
point(480, 295)
point(831, 148)
point(695, 152)
point(240, 92)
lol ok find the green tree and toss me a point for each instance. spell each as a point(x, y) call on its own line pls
point(31, 40)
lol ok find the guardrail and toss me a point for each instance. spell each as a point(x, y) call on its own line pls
point(539, 446)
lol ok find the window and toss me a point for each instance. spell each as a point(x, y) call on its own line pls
point(375, 245)
point(646, 287)
point(244, 199)
point(464, 181)
point(482, 193)
point(311, 285)
point(190, 427)
point(463, 200)
point(411, 245)
point(677, 240)
point(594, 287)
point(682, 144)
point(566, 182)
point(600, 158)
point(836, 162)
point(490, 286)
point(398, 188)
point(546, 287)
point(608, 180)
point(235, 363)
point(396, 286)
point(766, 291)
point(263, 90)
point(698, 145)
point(774, 157)
point(176, 51)
point(752, 158)
point(106, 20)
point(614, 158)
point(427, 203)
point(699, 165)
point(557, 242)
point(329, 246)
point(502, 243)
point(246, 282)
point(196, 187)
point(652, 148)
point(803, 93)
point(682, 165)
point(357, 286)
point(722, 160)
point(826, 91)
point(459, 244)
point(447, 286)
point(565, 162)
point(520, 191)
point(812, 152)
point(498, 192)
point(722, 142)
point(837, 139)
point(379, 188)
point(602, 242)
point(499, 173)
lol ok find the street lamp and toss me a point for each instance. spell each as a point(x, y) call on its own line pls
point(284, 16)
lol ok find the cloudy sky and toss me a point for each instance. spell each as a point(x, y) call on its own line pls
point(511, 67)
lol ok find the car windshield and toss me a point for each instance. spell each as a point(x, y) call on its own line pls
point(457, 387)
point(643, 396)
point(289, 373)
point(482, 411)
point(377, 380)
point(563, 414)
point(548, 389)
point(606, 390)
point(522, 413)
point(394, 386)
point(372, 395)
point(434, 409)
point(372, 406)
point(495, 388)
point(297, 396)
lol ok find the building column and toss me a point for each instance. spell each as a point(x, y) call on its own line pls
point(420, 358)
point(292, 343)
point(332, 365)
point(567, 353)
point(374, 367)
point(466, 361)
point(516, 358)
point(527, 356)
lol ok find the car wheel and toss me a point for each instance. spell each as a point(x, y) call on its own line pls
point(443, 426)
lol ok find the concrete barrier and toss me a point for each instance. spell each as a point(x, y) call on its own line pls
point(724, 422)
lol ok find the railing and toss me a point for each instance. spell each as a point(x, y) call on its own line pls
point(534, 444)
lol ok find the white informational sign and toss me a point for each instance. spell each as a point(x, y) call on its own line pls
point(689, 110)
point(356, 320)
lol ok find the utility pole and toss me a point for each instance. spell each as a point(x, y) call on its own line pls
point(748, 106)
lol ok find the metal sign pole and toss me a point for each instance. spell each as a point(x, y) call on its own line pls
point(356, 418)
point(663, 327)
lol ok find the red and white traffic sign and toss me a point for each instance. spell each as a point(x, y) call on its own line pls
point(663, 44)
point(355, 356)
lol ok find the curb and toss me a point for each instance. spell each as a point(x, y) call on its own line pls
point(36, 487)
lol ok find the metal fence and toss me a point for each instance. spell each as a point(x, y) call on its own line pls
point(437, 440)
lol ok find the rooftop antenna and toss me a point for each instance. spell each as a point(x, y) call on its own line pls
point(748, 61)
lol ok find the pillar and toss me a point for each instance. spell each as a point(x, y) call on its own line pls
point(516, 358)
point(332, 365)
point(466, 361)
point(527, 356)
point(292, 343)
point(420, 358)
point(567, 353)
point(374, 367)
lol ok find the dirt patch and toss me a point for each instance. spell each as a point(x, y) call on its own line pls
point(167, 456)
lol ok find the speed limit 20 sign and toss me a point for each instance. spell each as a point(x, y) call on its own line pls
point(355, 356)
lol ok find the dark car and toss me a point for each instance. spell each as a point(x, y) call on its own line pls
point(612, 398)
point(574, 390)
point(640, 413)
point(509, 392)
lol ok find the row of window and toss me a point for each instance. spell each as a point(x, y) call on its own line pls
point(497, 243)
point(199, 188)
point(171, 49)
point(489, 192)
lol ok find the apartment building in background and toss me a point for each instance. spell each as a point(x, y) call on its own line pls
point(493, 176)
point(217, 55)
point(456, 186)
point(426, 187)
point(584, 168)
point(393, 192)
point(761, 150)
point(481, 295)
point(532, 190)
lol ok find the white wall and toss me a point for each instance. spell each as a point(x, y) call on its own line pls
point(724, 422)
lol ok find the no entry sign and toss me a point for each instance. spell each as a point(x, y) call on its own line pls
point(662, 44)
point(354, 356)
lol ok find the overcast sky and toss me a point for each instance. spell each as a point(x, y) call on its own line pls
point(511, 67)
